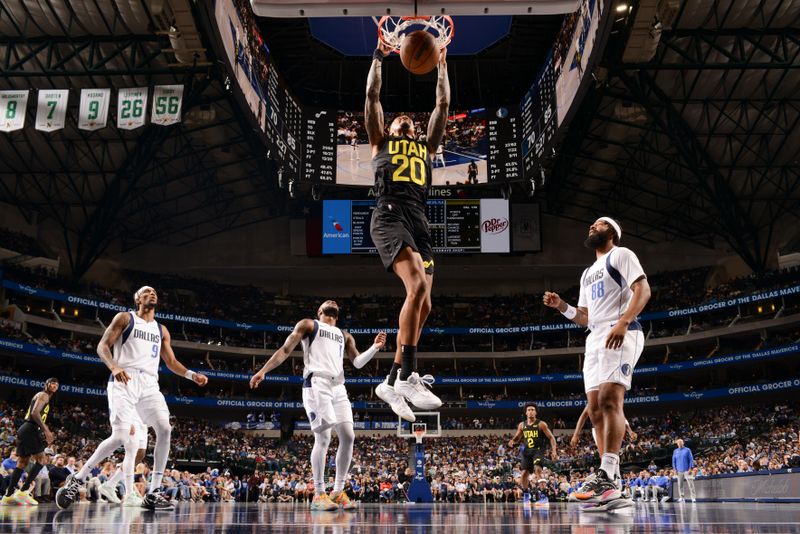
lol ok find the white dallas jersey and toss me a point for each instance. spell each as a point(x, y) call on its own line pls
point(605, 289)
point(323, 351)
point(139, 346)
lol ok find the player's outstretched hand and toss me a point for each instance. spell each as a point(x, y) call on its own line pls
point(380, 340)
point(200, 379)
point(511, 444)
point(48, 437)
point(256, 379)
point(574, 441)
point(384, 48)
point(120, 375)
point(554, 456)
point(551, 299)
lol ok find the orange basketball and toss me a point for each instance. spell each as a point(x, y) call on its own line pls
point(419, 52)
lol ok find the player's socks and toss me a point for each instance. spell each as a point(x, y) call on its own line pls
point(408, 355)
point(610, 464)
point(393, 373)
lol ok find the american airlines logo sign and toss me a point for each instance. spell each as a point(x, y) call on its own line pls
point(495, 225)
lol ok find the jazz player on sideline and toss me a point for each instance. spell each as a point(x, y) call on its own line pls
point(324, 395)
point(613, 292)
point(137, 340)
point(30, 445)
point(399, 227)
point(532, 431)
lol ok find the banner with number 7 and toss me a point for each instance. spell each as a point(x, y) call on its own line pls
point(131, 106)
point(51, 111)
point(167, 100)
point(12, 110)
point(93, 111)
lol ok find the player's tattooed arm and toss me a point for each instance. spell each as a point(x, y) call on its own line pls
point(373, 111)
point(438, 120)
point(110, 336)
point(301, 330)
point(172, 363)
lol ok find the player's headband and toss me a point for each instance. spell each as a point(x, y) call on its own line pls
point(139, 292)
point(613, 224)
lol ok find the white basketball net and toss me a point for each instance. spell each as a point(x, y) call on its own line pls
point(392, 30)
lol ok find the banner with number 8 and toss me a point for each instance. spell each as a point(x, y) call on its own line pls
point(131, 106)
point(93, 112)
point(167, 100)
point(51, 111)
point(12, 110)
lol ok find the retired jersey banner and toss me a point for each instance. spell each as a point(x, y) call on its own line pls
point(167, 100)
point(51, 110)
point(131, 104)
point(12, 110)
point(93, 112)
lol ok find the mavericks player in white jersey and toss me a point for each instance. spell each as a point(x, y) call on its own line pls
point(324, 395)
point(613, 292)
point(139, 343)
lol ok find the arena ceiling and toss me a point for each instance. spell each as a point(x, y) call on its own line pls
point(688, 134)
point(692, 134)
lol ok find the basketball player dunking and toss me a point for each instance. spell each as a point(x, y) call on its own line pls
point(532, 432)
point(30, 446)
point(137, 340)
point(399, 227)
point(324, 395)
point(613, 292)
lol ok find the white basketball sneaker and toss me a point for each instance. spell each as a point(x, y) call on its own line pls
point(132, 499)
point(417, 391)
point(109, 493)
point(389, 395)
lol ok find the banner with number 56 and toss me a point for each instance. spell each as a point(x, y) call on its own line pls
point(131, 106)
point(167, 101)
point(93, 111)
point(12, 110)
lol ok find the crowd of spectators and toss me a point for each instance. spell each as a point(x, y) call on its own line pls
point(203, 298)
point(21, 244)
point(209, 462)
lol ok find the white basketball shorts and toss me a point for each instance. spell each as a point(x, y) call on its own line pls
point(137, 403)
point(326, 403)
point(602, 365)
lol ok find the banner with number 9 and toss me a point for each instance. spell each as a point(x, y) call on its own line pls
point(12, 110)
point(93, 113)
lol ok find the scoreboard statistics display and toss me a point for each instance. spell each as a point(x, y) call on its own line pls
point(457, 226)
point(285, 124)
point(545, 107)
point(504, 160)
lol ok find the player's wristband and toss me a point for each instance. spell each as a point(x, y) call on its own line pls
point(377, 54)
point(189, 375)
point(362, 359)
point(570, 312)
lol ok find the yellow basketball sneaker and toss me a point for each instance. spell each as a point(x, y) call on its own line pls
point(344, 501)
point(24, 498)
point(324, 503)
point(8, 500)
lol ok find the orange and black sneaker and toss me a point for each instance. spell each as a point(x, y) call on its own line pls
point(344, 501)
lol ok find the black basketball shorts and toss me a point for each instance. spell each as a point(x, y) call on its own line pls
point(29, 440)
point(394, 226)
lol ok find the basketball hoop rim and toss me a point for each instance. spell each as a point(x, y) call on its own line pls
point(444, 37)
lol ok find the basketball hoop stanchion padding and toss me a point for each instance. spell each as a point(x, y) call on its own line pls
point(420, 490)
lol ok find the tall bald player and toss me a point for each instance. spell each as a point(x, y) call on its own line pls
point(137, 341)
point(324, 395)
point(399, 227)
point(613, 292)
